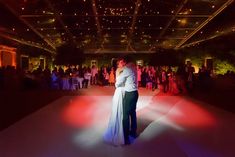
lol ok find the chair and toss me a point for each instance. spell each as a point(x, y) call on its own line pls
point(75, 83)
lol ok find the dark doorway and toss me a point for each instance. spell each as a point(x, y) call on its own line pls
point(114, 62)
point(24, 62)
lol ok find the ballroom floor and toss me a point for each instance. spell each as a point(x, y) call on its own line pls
point(169, 126)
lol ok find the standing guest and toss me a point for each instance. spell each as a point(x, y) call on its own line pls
point(181, 78)
point(111, 77)
point(149, 80)
point(94, 75)
point(154, 80)
point(164, 81)
point(190, 76)
point(61, 72)
point(175, 89)
point(139, 72)
point(100, 80)
point(157, 77)
point(143, 77)
point(106, 76)
point(68, 71)
point(87, 76)
point(170, 79)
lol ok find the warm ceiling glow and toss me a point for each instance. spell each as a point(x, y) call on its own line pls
point(182, 21)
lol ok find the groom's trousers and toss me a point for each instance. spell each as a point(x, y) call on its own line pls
point(129, 114)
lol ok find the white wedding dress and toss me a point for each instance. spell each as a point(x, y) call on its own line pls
point(114, 133)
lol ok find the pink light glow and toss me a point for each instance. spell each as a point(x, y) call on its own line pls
point(78, 113)
point(183, 112)
point(85, 111)
point(192, 115)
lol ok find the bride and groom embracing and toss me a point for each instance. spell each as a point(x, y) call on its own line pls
point(122, 124)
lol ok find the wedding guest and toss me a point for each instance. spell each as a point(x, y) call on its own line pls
point(94, 75)
point(87, 77)
point(164, 81)
point(111, 77)
point(139, 72)
point(105, 76)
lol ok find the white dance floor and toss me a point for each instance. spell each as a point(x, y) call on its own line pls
point(169, 126)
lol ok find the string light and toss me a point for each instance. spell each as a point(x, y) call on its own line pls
point(117, 11)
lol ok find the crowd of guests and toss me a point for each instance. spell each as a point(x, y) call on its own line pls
point(166, 78)
point(175, 80)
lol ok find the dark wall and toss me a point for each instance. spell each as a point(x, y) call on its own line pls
point(106, 59)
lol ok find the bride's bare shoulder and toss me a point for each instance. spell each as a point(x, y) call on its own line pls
point(119, 71)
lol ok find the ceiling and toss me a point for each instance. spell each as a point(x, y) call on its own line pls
point(101, 26)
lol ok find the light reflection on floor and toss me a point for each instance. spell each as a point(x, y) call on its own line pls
point(168, 126)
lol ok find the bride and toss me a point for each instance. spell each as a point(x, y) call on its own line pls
point(114, 133)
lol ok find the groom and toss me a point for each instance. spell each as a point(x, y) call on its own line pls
point(128, 78)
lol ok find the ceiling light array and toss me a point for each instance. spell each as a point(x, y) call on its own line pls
point(119, 11)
